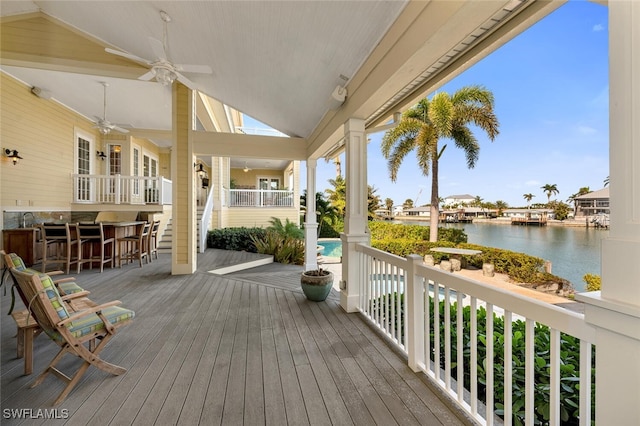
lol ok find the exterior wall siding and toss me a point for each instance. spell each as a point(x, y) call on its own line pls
point(43, 133)
point(260, 217)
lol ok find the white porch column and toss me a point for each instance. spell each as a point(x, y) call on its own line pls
point(615, 311)
point(355, 221)
point(310, 224)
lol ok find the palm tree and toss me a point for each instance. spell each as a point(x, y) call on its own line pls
point(338, 194)
point(408, 204)
point(528, 198)
point(388, 204)
point(501, 205)
point(325, 211)
point(606, 181)
point(443, 117)
point(549, 190)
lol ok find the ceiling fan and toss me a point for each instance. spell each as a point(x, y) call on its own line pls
point(103, 125)
point(246, 168)
point(162, 69)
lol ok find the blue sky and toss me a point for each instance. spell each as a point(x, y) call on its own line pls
point(551, 98)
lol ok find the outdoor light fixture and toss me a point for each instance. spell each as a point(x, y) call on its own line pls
point(200, 170)
point(13, 155)
point(102, 155)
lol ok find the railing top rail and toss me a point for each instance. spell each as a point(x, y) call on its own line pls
point(556, 317)
point(262, 190)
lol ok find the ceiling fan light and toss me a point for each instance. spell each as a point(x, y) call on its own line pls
point(104, 130)
point(164, 76)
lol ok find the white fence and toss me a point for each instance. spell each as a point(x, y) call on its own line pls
point(118, 189)
point(260, 198)
point(416, 306)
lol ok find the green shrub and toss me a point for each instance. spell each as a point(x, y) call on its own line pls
point(384, 230)
point(239, 239)
point(569, 368)
point(285, 249)
point(594, 282)
point(288, 228)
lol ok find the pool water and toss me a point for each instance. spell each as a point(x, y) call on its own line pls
point(331, 248)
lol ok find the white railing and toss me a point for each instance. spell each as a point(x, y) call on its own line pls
point(205, 220)
point(260, 198)
point(398, 295)
point(118, 189)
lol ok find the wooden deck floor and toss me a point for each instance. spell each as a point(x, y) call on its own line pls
point(245, 348)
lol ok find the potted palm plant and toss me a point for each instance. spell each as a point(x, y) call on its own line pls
point(316, 284)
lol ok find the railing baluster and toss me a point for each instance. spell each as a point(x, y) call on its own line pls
point(585, 383)
point(473, 305)
point(508, 369)
point(529, 378)
point(436, 329)
point(447, 339)
point(427, 326)
point(554, 391)
point(489, 364)
point(460, 346)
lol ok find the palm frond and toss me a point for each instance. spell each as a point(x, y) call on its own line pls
point(465, 140)
point(442, 114)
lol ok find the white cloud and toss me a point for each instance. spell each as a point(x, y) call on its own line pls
point(586, 130)
point(597, 28)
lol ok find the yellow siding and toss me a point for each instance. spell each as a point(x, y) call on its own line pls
point(43, 133)
point(250, 217)
point(250, 178)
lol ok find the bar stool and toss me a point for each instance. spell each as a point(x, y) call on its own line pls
point(135, 246)
point(58, 241)
point(93, 235)
point(153, 239)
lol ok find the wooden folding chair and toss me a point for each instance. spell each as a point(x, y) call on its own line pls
point(83, 334)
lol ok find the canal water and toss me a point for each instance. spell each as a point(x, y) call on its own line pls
point(573, 251)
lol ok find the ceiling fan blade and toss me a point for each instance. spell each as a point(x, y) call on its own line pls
point(200, 69)
point(120, 129)
point(126, 55)
point(184, 80)
point(147, 76)
point(158, 48)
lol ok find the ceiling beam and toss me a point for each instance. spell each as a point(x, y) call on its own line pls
point(254, 146)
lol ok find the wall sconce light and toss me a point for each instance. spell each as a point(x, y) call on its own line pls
point(200, 170)
point(13, 155)
point(102, 155)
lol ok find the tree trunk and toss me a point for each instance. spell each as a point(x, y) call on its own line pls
point(435, 199)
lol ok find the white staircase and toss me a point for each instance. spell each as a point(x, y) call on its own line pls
point(164, 245)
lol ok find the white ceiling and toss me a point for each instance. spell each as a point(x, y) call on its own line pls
point(262, 53)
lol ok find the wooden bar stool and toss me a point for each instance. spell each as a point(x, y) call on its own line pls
point(135, 246)
point(100, 249)
point(58, 243)
point(153, 239)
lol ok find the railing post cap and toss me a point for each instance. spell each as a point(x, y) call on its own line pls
point(414, 258)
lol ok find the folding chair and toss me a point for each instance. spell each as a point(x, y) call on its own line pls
point(83, 334)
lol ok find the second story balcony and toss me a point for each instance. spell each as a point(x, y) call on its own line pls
point(119, 189)
point(260, 198)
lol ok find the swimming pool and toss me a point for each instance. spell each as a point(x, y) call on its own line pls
point(331, 248)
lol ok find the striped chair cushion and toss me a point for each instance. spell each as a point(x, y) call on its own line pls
point(92, 323)
point(52, 293)
point(69, 287)
point(17, 262)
